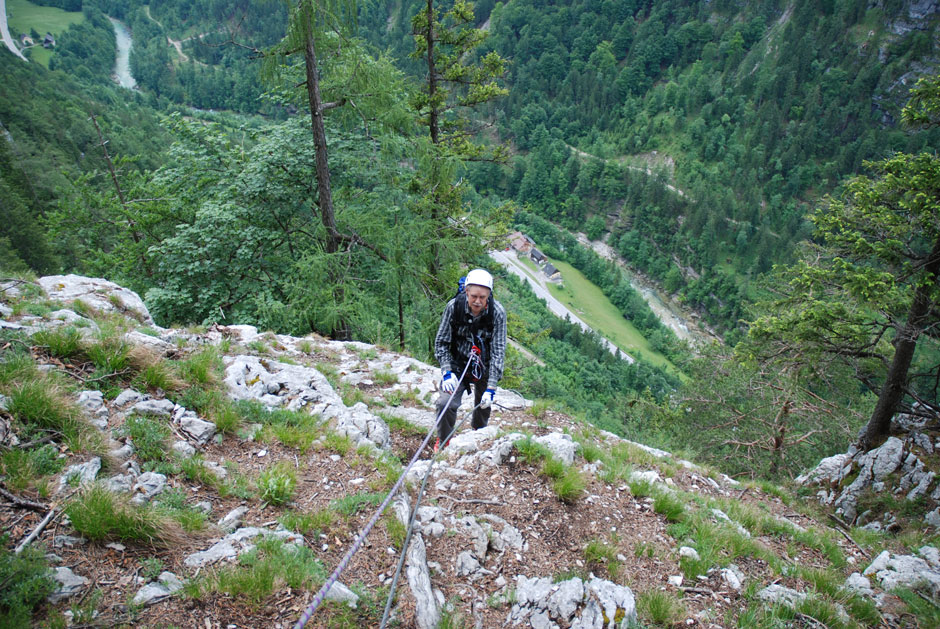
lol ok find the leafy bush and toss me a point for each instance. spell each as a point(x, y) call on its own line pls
point(26, 580)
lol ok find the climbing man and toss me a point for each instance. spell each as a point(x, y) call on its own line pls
point(473, 325)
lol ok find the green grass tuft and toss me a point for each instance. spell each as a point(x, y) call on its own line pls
point(349, 506)
point(661, 609)
point(276, 484)
point(41, 406)
point(24, 469)
point(151, 437)
point(669, 506)
point(308, 524)
point(99, 515)
point(261, 572)
point(600, 554)
point(203, 368)
point(64, 342)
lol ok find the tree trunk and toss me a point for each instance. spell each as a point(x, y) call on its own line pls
point(340, 330)
point(401, 319)
point(906, 342)
point(432, 77)
point(324, 191)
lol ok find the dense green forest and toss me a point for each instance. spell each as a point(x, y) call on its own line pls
point(694, 137)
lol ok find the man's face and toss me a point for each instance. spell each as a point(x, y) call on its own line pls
point(476, 298)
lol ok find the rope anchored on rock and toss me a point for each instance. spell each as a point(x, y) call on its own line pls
point(360, 538)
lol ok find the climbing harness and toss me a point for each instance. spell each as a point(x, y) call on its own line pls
point(357, 543)
point(476, 358)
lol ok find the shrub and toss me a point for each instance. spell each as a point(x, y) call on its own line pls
point(26, 581)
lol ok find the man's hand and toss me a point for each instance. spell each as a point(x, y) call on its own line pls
point(449, 383)
point(487, 398)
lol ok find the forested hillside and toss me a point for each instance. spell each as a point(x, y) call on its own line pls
point(752, 110)
point(354, 171)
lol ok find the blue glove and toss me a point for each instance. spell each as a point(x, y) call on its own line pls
point(487, 398)
point(449, 383)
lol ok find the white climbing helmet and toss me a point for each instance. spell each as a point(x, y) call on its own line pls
point(480, 278)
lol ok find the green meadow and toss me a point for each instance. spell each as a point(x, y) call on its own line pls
point(24, 16)
point(591, 305)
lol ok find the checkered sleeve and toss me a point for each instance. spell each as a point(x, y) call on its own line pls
point(442, 340)
point(498, 346)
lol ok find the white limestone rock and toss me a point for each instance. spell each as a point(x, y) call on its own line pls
point(100, 294)
point(165, 585)
point(233, 519)
point(200, 430)
point(561, 445)
point(183, 448)
point(776, 594)
point(148, 485)
point(859, 584)
point(68, 584)
point(81, 473)
point(153, 408)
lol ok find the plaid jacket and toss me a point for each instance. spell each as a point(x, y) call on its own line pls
point(459, 323)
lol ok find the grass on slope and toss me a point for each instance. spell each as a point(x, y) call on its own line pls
point(23, 16)
point(591, 305)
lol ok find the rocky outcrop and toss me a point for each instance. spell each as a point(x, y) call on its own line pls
point(896, 467)
point(98, 294)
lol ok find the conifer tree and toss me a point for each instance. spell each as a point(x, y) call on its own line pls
point(454, 84)
point(867, 291)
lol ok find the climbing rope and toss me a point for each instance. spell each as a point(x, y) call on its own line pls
point(411, 521)
point(357, 543)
